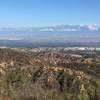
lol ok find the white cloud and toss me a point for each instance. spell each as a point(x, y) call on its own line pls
point(93, 27)
point(46, 29)
point(68, 30)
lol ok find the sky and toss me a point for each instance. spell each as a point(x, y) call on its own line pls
point(26, 13)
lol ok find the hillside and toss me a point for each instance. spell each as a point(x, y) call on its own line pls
point(49, 75)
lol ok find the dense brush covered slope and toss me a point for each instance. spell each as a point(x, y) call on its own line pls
point(26, 75)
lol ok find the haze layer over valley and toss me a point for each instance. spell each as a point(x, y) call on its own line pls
point(78, 33)
point(51, 36)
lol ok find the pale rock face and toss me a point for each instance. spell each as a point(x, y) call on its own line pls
point(2, 72)
point(3, 64)
point(82, 89)
point(12, 63)
point(88, 60)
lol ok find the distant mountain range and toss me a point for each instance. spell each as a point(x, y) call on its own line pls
point(52, 34)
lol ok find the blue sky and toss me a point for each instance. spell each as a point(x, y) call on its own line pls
point(49, 12)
